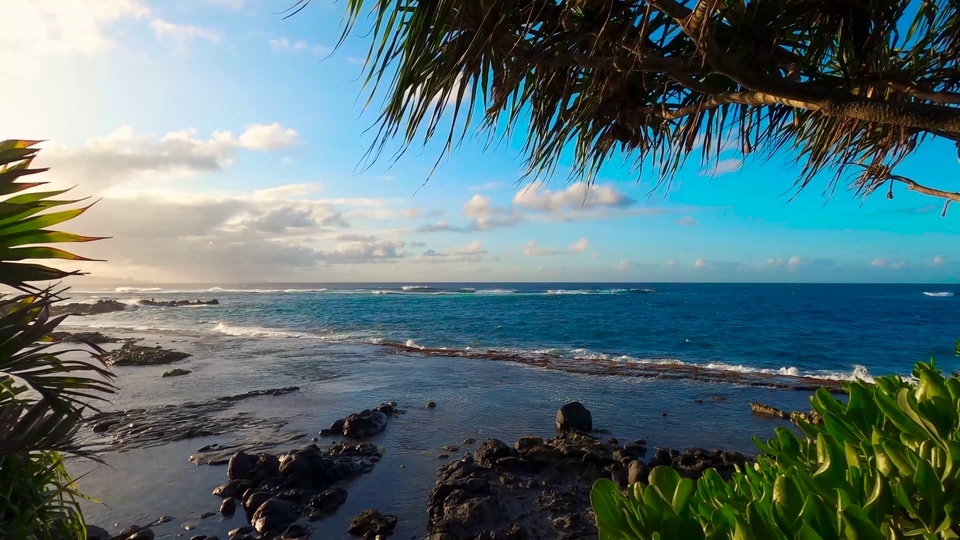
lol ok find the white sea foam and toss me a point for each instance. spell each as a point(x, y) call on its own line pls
point(414, 287)
point(496, 291)
point(412, 344)
point(129, 290)
point(939, 293)
point(256, 331)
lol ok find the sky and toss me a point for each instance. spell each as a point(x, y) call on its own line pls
point(226, 144)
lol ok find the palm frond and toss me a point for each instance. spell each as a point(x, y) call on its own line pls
point(848, 88)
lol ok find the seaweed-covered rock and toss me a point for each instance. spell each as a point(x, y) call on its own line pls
point(137, 355)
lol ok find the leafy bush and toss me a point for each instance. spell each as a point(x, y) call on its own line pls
point(886, 464)
point(43, 392)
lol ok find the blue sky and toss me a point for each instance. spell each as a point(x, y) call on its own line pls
point(226, 144)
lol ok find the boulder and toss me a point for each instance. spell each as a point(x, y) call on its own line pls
point(274, 514)
point(574, 417)
point(431, 405)
point(372, 524)
point(364, 424)
point(491, 450)
point(228, 507)
point(241, 466)
point(767, 410)
point(637, 472)
point(327, 501)
point(97, 533)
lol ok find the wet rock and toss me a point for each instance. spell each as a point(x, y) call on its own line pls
point(245, 529)
point(431, 405)
point(813, 418)
point(160, 521)
point(97, 533)
point(176, 372)
point(242, 466)
point(97, 308)
point(205, 515)
point(767, 410)
point(469, 440)
point(372, 524)
point(637, 472)
point(386, 408)
point(327, 501)
point(450, 448)
point(274, 514)
point(574, 417)
point(228, 507)
point(253, 501)
point(178, 303)
point(364, 424)
point(95, 338)
point(138, 355)
point(142, 534)
point(128, 531)
point(491, 450)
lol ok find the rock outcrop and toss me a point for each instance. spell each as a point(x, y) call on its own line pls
point(364, 424)
point(812, 417)
point(97, 308)
point(138, 355)
point(277, 490)
point(574, 416)
point(176, 372)
point(95, 338)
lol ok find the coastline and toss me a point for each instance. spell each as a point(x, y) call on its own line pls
point(476, 399)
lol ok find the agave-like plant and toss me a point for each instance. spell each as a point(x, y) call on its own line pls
point(45, 390)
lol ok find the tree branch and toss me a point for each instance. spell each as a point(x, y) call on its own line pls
point(913, 186)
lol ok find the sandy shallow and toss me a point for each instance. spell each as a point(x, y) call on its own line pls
point(476, 398)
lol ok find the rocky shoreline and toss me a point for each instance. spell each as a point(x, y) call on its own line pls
point(533, 488)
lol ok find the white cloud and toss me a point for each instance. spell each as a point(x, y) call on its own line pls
point(230, 4)
point(181, 34)
point(880, 262)
point(473, 248)
point(472, 252)
point(687, 221)
point(124, 155)
point(625, 265)
point(577, 197)
point(37, 30)
point(939, 259)
point(531, 249)
point(361, 252)
point(284, 44)
point(796, 261)
point(267, 137)
point(288, 191)
point(717, 266)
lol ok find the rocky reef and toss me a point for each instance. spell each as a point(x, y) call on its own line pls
point(178, 303)
point(97, 308)
point(138, 355)
point(96, 338)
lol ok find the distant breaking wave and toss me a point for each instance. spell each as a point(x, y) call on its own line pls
point(939, 293)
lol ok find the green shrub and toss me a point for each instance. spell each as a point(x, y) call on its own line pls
point(886, 464)
point(44, 394)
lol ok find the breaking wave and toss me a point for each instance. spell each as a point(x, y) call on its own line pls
point(256, 331)
point(939, 293)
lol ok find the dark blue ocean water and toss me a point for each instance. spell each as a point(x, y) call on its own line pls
point(806, 329)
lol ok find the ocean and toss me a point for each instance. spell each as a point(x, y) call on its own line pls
point(829, 331)
point(676, 364)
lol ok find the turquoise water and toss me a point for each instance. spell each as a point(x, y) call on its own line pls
point(834, 331)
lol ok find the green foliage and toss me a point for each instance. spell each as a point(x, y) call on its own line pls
point(884, 465)
point(44, 390)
